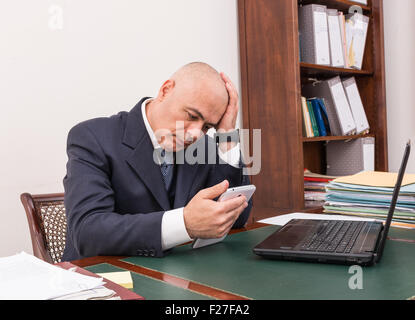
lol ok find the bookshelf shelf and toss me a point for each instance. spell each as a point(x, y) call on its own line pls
point(271, 80)
point(314, 70)
point(342, 5)
point(337, 138)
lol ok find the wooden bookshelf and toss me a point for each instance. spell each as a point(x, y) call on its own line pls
point(271, 79)
point(337, 138)
point(313, 70)
point(342, 5)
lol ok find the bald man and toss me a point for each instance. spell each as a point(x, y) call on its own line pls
point(132, 186)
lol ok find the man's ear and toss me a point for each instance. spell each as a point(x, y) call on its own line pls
point(166, 89)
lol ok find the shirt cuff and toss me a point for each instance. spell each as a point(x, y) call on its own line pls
point(173, 229)
point(232, 156)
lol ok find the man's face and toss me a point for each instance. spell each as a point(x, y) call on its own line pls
point(187, 112)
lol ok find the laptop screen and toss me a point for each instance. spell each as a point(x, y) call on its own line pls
point(394, 200)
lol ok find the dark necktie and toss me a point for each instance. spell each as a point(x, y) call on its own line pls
point(166, 171)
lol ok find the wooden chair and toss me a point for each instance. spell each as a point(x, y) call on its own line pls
point(47, 223)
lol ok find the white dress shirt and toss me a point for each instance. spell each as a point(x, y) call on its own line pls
point(173, 229)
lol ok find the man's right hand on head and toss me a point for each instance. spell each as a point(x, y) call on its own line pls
point(205, 218)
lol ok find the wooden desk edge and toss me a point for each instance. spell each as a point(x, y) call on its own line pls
point(167, 278)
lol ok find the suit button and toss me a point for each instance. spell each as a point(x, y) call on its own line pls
point(145, 253)
point(140, 252)
point(152, 253)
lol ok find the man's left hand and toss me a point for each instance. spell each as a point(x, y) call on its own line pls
point(228, 121)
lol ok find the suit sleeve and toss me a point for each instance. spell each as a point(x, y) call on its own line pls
point(93, 225)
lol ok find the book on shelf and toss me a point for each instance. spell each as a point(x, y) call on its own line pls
point(342, 104)
point(332, 38)
point(315, 116)
point(307, 129)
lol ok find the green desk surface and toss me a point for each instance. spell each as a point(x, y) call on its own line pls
point(232, 266)
point(399, 233)
point(149, 288)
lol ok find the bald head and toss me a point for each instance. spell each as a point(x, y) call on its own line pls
point(202, 79)
point(196, 97)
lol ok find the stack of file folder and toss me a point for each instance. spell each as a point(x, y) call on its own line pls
point(315, 185)
point(369, 194)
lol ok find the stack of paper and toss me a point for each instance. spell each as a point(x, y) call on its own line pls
point(315, 185)
point(369, 194)
point(25, 277)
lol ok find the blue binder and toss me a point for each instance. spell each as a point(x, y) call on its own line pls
point(319, 117)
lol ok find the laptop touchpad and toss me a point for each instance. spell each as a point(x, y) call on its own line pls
point(288, 237)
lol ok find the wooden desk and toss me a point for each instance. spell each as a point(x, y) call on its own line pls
point(169, 280)
point(231, 271)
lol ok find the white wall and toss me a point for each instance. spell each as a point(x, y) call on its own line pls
point(400, 79)
point(106, 56)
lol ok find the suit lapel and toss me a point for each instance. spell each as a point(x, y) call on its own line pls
point(141, 157)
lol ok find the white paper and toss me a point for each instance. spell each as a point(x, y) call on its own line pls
point(100, 293)
point(285, 218)
point(25, 277)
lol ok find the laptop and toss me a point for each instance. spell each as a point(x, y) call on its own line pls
point(328, 241)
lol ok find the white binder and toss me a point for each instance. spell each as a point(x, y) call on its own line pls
point(356, 105)
point(314, 35)
point(356, 34)
point(335, 37)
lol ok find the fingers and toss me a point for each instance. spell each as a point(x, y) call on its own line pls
point(215, 191)
point(233, 94)
point(231, 204)
point(231, 217)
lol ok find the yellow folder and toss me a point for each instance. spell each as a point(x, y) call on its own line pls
point(123, 278)
point(376, 179)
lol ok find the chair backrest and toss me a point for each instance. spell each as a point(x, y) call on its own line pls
point(47, 223)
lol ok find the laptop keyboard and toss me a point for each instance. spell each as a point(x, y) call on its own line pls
point(334, 236)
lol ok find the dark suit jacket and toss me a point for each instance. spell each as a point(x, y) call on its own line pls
point(114, 194)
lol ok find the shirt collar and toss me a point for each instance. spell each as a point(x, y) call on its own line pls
point(147, 124)
point(168, 157)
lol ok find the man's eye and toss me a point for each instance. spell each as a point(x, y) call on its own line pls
point(191, 117)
